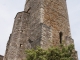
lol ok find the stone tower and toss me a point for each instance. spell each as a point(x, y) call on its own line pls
point(43, 23)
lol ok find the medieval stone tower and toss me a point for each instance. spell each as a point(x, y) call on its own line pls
point(43, 23)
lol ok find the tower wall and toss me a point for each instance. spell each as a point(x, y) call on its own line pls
point(16, 47)
point(39, 24)
point(53, 13)
point(56, 16)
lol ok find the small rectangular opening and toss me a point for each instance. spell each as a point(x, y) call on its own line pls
point(21, 45)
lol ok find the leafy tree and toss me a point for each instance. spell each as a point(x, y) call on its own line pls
point(53, 53)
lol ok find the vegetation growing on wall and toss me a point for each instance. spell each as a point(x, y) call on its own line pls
point(53, 53)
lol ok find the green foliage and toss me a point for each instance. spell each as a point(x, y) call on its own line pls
point(53, 53)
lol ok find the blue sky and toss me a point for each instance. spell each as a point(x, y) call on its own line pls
point(8, 10)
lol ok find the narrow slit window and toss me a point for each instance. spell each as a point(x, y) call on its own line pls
point(60, 36)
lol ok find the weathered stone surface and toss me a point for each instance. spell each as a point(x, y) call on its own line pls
point(18, 40)
point(52, 13)
point(1, 57)
point(55, 15)
point(40, 24)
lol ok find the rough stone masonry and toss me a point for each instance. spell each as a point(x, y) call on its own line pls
point(1, 57)
point(43, 23)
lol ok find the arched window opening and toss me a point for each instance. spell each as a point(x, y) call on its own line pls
point(60, 36)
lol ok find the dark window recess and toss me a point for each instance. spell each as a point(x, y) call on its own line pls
point(21, 45)
point(30, 41)
point(60, 36)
